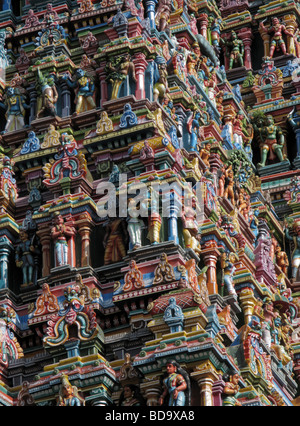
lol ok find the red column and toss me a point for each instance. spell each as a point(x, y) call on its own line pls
point(210, 257)
point(203, 19)
point(140, 64)
point(103, 83)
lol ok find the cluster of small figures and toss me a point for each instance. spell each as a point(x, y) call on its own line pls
point(176, 390)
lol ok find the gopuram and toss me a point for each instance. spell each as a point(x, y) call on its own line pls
point(150, 203)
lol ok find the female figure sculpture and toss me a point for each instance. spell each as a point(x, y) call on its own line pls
point(60, 233)
point(175, 386)
point(231, 391)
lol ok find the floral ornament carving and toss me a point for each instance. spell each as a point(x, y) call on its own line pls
point(47, 303)
point(133, 278)
point(164, 272)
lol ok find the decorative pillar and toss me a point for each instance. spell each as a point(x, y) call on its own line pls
point(217, 390)
point(266, 39)
point(45, 239)
point(291, 26)
point(140, 64)
point(33, 103)
point(245, 34)
point(66, 99)
point(247, 302)
point(150, 12)
point(172, 214)
point(103, 83)
point(6, 248)
point(71, 243)
point(84, 228)
point(206, 395)
point(210, 257)
point(205, 375)
point(203, 19)
point(152, 391)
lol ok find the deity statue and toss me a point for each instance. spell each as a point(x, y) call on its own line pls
point(228, 267)
point(280, 343)
point(194, 60)
point(85, 90)
point(24, 257)
point(162, 15)
point(49, 95)
point(131, 397)
point(271, 141)
point(205, 153)
point(190, 226)
point(282, 259)
point(118, 69)
point(194, 126)
point(215, 30)
point(68, 395)
point(277, 29)
point(15, 106)
point(234, 50)
point(161, 87)
point(60, 233)
point(231, 390)
point(176, 385)
point(229, 189)
point(114, 242)
point(135, 225)
point(294, 236)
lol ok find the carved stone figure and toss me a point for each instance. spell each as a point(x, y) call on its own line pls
point(15, 106)
point(175, 386)
point(114, 241)
point(231, 391)
point(85, 91)
point(272, 142)
point(68, 395)
point(164, 272)
point(235, 51)
point(60, 233)
point(49, 95)
point(117, 70)
point(277, 30)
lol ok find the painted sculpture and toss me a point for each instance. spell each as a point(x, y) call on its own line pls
point(84, 89)
point(231, 390)
point(15, 106)
point(60, 233)
point(68, 396)
point(49, 95)
point(175, 386)
point(277, 30)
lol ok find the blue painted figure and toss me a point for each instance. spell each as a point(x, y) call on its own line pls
point(15, 106)
point(194, 128)
point(85, 89)
point(175, 386)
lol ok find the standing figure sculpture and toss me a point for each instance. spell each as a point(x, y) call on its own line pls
point(60, 233)
point(175, 386)
point(277, 43)
point(228, 267)
point(271, 142)
point(85, 90)
point(114, 241)
point(49, 95)
point(117, 70)
point(235, 51)
point(25, 258)
point(135, 225)
point(15, 107)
